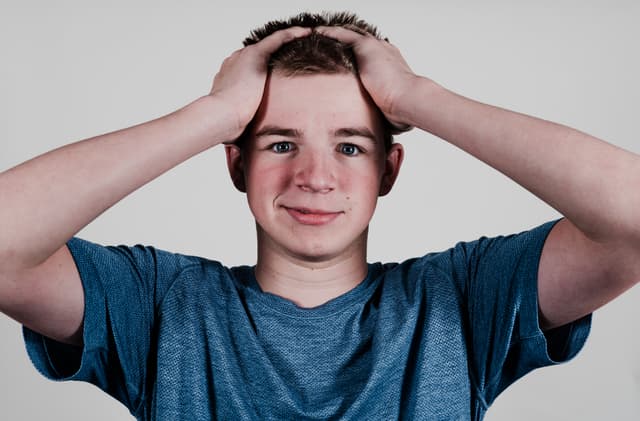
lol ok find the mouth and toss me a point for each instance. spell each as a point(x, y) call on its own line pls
point(307, 216)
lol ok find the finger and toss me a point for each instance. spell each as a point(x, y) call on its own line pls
point(274, 41)
point(398, 128)
point(342, 34)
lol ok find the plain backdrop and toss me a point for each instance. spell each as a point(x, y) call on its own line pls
point(74, 69)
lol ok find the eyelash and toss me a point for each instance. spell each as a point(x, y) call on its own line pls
point(274, 148)
point(357, 149)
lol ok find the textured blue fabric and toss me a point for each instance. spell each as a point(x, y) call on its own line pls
point(176, 337)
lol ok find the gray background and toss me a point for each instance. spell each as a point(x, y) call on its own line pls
point(72, 70)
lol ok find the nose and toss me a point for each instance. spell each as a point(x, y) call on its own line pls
point(315, 172)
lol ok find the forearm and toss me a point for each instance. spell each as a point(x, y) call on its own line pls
point(593, 183)
point(48, 199)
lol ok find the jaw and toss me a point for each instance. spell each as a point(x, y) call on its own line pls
point(304, 249)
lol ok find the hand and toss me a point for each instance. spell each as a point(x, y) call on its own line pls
point(383, 71)
point(241, 79)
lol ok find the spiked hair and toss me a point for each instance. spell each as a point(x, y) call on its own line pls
point(317, 53)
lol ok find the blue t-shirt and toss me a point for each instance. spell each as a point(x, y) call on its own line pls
point(177, 337)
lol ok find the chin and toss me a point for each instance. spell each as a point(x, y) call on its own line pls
point(324, 249)
point(314, 247)
point(314, 252)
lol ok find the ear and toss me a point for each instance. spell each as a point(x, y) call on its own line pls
point(235, 164)
point(392, 164)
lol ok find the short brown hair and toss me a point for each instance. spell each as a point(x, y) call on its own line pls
point(317, 53)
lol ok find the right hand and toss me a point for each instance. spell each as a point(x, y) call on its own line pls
point(241, 79)
point(383, 71)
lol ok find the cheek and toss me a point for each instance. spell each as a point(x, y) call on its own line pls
point(364, 178)
point(262, 173)
point(361, 191)
point(264, 182)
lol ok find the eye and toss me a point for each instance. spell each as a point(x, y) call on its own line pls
point(282, 147)
point(349, 149)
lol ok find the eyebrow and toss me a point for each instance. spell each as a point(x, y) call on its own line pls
point(271, 130)
point(277, 131)
point(356, 131)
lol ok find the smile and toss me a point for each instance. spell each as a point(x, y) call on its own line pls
point(307, 216)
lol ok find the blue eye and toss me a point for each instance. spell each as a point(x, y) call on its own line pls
point(349, 149)
point(282, 147)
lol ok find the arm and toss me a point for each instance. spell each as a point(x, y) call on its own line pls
point(590, 257)
point(594, 254)
point(53, 196)
point(50, 198)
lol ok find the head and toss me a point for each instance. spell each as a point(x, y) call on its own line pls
point(318, 152)
point(317, 54)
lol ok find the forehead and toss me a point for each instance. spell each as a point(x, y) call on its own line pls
point(315, 102)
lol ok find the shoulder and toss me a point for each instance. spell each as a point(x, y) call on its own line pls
point(143, 269)
point(487, 257)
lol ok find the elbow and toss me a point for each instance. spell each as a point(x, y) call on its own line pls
point(12, 260)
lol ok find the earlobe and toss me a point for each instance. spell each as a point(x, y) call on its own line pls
point(235, 165)
point(392, 164)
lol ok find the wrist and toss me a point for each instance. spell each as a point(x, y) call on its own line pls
point(210, 118)
point(420, 99)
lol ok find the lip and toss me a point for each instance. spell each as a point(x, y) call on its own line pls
point(306, 216)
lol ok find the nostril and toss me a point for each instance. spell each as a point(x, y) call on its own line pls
point(314, 188)
point(315, 174)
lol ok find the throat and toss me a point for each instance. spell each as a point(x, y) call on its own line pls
point(309, 287)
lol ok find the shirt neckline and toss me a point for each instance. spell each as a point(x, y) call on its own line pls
point(246, 279)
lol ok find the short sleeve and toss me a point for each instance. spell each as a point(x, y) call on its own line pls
point(501, 294)
point(122, 288)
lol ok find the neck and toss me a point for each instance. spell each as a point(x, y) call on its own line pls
point(310, 282)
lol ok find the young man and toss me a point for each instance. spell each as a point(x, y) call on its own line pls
point(313, 331)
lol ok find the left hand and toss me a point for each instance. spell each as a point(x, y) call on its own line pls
point(383, 71)
point(240, 82)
